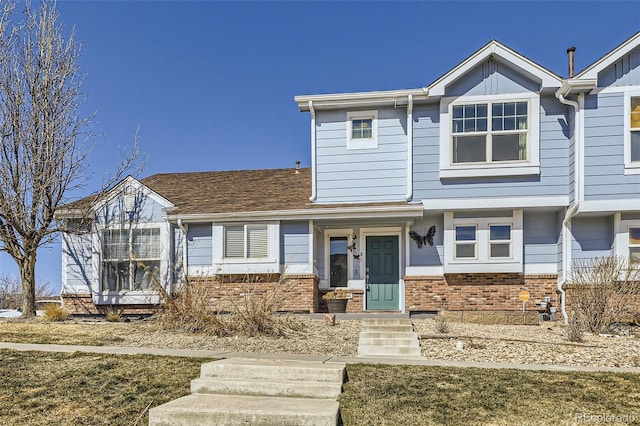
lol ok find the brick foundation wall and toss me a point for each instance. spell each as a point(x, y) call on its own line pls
point(295, 293)
point(81, 304)
point(478, 292)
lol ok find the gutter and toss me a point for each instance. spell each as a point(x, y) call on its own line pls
point(314, 191)
point(409, 148)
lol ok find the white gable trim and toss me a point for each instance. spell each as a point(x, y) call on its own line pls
point(495, 49)
point(624, 48)
point(138, 186)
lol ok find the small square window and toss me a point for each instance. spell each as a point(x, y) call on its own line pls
point(500, 241)
point(362, 130)
point(465, 242)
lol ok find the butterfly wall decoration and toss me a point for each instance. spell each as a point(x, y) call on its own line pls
point(423, 240)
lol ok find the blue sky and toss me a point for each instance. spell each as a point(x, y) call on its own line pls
point(211, 84)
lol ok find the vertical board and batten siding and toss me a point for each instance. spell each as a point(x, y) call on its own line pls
point(294, 243)
point(554, 160)
point(541, 234)
point(146, 211)
point(624, 72)
point(428, 255)
point(491, 78)
point(361, 175)
point(591, 236)
point(200, 244)
point(78, 268)
point(604, 177)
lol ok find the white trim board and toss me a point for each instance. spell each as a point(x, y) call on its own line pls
point(495, 203)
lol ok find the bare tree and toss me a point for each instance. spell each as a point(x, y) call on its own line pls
point(43, 152)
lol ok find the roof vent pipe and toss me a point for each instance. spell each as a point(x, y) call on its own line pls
point(571, 51)
point(297, 167)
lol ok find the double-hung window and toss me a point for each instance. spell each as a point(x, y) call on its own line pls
point(489, 132)
point(246, 241)
point(499, 241)
point(130, 258)
point(362, 129)
point(498, 136)
point(466, 242)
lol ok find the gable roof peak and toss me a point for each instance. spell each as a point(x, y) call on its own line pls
point(610, 57)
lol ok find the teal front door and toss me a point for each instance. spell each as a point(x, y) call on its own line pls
point(383, 284)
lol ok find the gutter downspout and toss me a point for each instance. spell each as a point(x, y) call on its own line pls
point(185, 264)
point(573, 210)
point(409, 148)
point(314, 193)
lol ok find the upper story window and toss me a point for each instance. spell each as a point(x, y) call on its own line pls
point(246, 241)
point(481, 136)
point(130, 258)
point(489, 132)
point(362, 130)
point(632, 134)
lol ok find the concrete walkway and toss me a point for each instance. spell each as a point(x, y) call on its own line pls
point(118, 350)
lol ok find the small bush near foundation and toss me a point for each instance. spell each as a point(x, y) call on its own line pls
point(54, 312)
point(113, 314)
point(605, 291)
point(574, 329)
point(257, 312)
point(442, 325)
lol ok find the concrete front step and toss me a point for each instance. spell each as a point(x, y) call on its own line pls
point(292, 389)
point(388, 335)
point(387, 328)
point(200, 410)
point(385, 341)
point(377, 350)
point(259, 370)
point(385, 321)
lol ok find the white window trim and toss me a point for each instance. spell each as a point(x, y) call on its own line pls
point(245, 227)
point(473, 243)
point(328, 233)
point(482, 262)
point(143, 296)
point(622, 234)
point(270, 264)
point(371, 143)
point(630, 167)
point(516, 168)
point(510, 240)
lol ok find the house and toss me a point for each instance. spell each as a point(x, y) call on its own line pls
point(492, 180)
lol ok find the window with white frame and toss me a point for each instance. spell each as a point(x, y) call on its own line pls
point(634, 243)
point(634, 128)
point(130, 258)
point(486, 243)
point(466, 242)
point(338, 261)
point(498, 136)
point(246, 241)
point(489, 132)
point(362, 130)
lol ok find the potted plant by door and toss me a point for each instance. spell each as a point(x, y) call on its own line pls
point(336, 301)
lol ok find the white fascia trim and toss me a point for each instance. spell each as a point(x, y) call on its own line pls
point(609, 206)
point(359, 99)
point(495, 203)
point(136, 184)
point(414, 211)
point(521, 168)
point(574, 85)
point(624, 48)
point(496, 49)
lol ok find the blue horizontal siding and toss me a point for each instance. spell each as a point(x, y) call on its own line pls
point(200, 244)
point(541, 233)
point(78, 252)
point(428, 255)
point(294, 243)
point(591, 237)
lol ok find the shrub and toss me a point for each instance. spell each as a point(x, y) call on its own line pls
point(442, 325)
point(574, 329)
point(604, 291)
point(113, 314)
point(54, 312)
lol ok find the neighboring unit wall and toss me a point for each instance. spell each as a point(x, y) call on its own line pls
point(361, 175)
point(591, 236)
point(541, 236)
point(604, 177)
